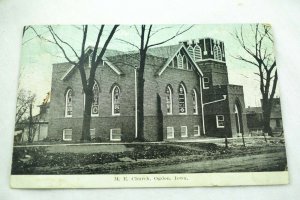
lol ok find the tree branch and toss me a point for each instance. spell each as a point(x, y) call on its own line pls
point(97, 44)
point(61, 48)
point(56, 36)
point(99, 58)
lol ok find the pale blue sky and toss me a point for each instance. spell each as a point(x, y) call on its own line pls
point(38, 55)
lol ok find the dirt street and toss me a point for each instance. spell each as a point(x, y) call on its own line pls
point(262, 162)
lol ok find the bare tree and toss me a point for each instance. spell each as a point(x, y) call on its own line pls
point(260, 54)
point(24, 100)
point(24, 118)
point(87, 80)
point(145, 33)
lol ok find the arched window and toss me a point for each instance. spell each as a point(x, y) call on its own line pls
point(179, 61)
point(169, 100)
point(197, 53)
point(69, 101)
point(191, 52)
point(115, 100)
point(217, 53)
point(195, 102)
point(95, 103)
point(182, 99)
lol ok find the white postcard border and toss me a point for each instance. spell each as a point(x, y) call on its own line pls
point(149, 180)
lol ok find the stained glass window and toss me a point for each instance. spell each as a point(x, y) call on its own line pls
point(69, 106)
point(182, 99)
point(95, 103)
point(195, 103)
point(169, 100)
point(116, 101)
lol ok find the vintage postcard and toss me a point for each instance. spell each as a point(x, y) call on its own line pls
point(114, 106)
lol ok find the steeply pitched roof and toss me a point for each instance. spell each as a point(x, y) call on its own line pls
point(164, 51)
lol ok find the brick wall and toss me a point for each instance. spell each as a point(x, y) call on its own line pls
point(157, 85)
point(106, 78)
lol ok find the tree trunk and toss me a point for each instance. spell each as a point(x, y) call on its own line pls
point(140, 107)
point(159, 119)
point(266, 108)
point(140, 97)
point(86, 124)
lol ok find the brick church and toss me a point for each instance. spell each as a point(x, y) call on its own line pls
point(187, 96)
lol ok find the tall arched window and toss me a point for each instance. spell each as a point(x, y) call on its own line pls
point(195, 102)
point(169, 100)
point(217, 53)
point(95, 103)
point(69, 101)
point(179, 61)
point(115, 100)
point(191, 52)
point(197, 53)
point(182, 99)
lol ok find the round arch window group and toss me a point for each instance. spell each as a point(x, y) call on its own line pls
point(115, 100)
point(182, 100)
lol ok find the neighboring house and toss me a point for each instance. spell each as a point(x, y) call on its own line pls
point(255, 117)
point(187, 96)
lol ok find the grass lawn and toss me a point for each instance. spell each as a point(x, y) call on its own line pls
point(127, 158)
